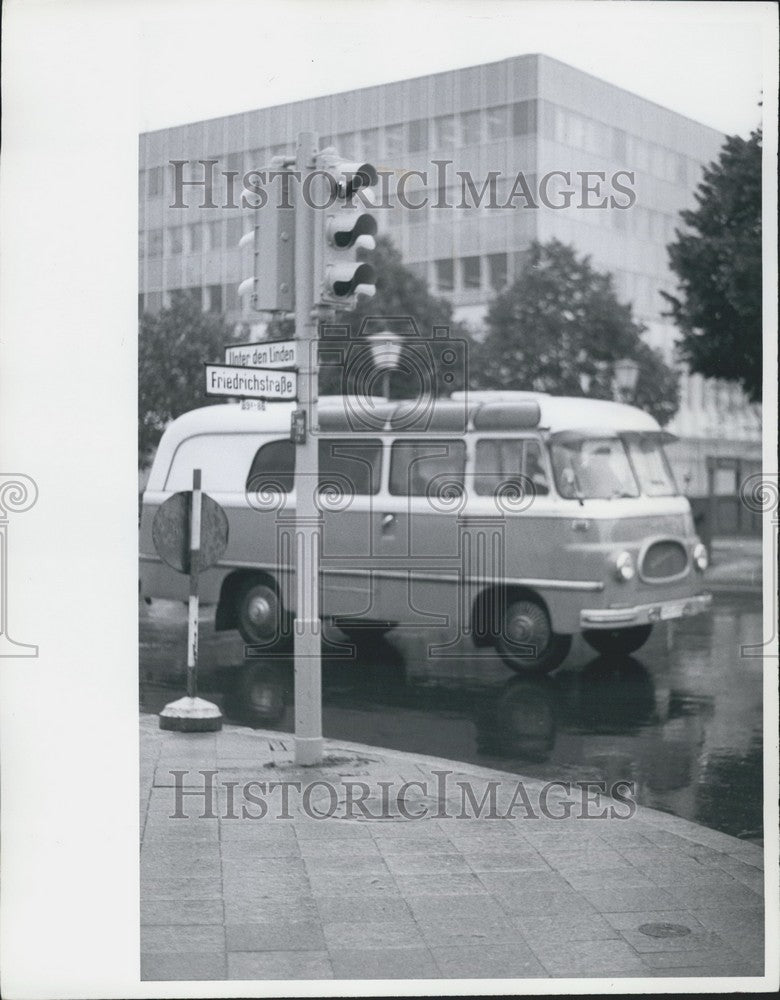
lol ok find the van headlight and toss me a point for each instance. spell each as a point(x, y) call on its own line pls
point(624, 567)
point(700, 558)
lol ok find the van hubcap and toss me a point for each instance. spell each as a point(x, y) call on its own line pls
point(527, 624)
point(260, 611)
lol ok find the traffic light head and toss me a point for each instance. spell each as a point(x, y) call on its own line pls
point(267, 260)
point(342, 230)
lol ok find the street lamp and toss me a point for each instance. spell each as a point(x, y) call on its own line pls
point(386, 348)
point(626, 374)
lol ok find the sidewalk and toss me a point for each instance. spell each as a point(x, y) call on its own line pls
point(432, 898)
point(736, 565)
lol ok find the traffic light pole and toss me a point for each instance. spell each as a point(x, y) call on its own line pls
point(308, 666)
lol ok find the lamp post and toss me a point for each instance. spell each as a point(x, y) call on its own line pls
point(625, 379)
point(386, 348)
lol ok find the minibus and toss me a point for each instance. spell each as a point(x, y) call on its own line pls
point(505, 521)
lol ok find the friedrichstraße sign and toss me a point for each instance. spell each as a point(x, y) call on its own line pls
point(265, 354)
point(250, 383)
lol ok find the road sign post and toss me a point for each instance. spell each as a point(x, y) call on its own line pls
point(191, 713)
point(308, 666)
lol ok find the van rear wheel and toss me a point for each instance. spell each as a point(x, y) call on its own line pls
point(259, 615)
point(618, 640)
point(527, 643)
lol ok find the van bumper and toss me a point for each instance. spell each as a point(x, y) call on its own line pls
point(645, 614)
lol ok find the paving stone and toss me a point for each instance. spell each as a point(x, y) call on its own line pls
point(408, 846)
point(477, 907)
point(383, 963)
point(181, 911)
point(696, 941)
point(708, 895)
point(345, 884)
point(183, 967)
point(497, 961)
point(248, 849)
point(279, 965)
point(613, 899)
point(256, 911)
point(510, 859)
point(587, 958)
point(157, 830)
point(588, 859)
point(618, 878)
point(338, 864)
point(565, 927)
point(295, 935)
point(441, 884)
point(523, 882)
point(361, 909)
point(333, 829)
point(253, 865)
point(177, 939)
point(181, 887)
point(427, 864)
point(373, 934)
point(707, 959)
point(154, 867)
point(467, 930)
point(545, 902)
point(260, 886)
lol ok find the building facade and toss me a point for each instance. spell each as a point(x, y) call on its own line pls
point(602, 169)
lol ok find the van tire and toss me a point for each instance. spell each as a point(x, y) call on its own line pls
point(259, 614)
point(617, 640)
point(527, 624)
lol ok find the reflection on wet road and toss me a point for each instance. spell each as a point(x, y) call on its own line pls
point(681, 718)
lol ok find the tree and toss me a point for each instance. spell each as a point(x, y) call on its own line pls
point(717, 260)
point(560, 328)
point(172, 347)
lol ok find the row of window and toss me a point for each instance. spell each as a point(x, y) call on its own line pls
point(209, 298)
point(196, 237)
point(466, 129)
point(417, 467)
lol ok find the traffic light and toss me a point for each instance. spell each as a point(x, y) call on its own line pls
point(268, 259)
point(342, 229)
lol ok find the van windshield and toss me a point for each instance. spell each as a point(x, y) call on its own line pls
point(592, 468)
point(651, 465)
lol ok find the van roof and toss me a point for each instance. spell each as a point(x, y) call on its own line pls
point(486, 410)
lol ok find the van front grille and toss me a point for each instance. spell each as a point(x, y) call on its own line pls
point(664, 560)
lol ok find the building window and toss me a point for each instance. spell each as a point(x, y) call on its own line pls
point(497, 120)
point(233, 305)
point(214, 298)
point(471, 127)
point(418, 135)
point(395, 139)
point(140, 304)
point(471, 272)
point(196, 237)
point(175, 240)
point(524, 118)
point(214, 231)
point(234, 230)
point(154, 181)
point(141, 244)
point(619, 144)
point(445, 275)
point(371, 140)
point(497, 268)
point(444, 131)
point(153, 302)
point(155, 242)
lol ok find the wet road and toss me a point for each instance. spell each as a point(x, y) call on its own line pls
point(682, 717)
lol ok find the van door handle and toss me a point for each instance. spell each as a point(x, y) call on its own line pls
point(388, 520)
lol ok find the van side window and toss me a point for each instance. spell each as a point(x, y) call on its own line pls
point(273, 468)
point(351, 466)
point(502, 461)
point(421, 468)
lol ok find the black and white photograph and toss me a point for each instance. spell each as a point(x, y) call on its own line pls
point(435, 625)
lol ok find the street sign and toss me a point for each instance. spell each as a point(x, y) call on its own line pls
point(251, 383)
point(266, 354)
point(171, 531)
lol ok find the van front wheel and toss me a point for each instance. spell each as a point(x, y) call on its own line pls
point(527, 643)
point(618, 640)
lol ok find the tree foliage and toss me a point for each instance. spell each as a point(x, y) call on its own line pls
point(560, 328)
point(717, 260)
point(172, 347)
